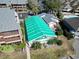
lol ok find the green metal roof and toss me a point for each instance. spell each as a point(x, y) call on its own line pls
point(37, 28)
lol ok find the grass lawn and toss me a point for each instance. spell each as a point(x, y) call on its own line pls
point(48, 53)
point(60, 35)
point(6, 48)
point(14, 55)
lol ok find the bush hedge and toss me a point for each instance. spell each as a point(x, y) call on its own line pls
point(54, 41)
point(59, 31)
point(68, 34)
point(36, 45)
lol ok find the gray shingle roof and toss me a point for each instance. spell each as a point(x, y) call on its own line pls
point(7, 20)
point(14, 1)
point(73, 22)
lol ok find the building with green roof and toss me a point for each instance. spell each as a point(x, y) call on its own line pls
point(37, 30)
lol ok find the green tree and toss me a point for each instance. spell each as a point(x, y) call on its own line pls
point(34, 6)
point(59, 42)
point(59, 15)
point(35, 10)
point(54, 5)
point(36, 45)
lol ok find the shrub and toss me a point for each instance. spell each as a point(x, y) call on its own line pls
point(60, 15)
point(59, 31)
point(59, 42)
point(22, 45)
point(36, 45)
point(68, 34)
point(51, 41)
point(54, 41)
point(19, 47)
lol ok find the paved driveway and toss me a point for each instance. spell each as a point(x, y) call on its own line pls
point(76, 47)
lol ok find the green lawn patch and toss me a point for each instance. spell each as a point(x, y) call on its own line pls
point(6, 48)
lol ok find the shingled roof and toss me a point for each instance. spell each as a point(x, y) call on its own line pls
point(14, 1)
point(72, 23)
point(8, 20)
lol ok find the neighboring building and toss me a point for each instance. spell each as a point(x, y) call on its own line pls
point(67, 13)
point(74, 2)
point(71, 6)
point(77, 10)
point(50, 19)
point(18, 5)
point(72, 24)
point(37, 30)
point(22, 16)
point(66, 7)
point(9, 26)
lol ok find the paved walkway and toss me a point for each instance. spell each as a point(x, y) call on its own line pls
point(76, 47)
